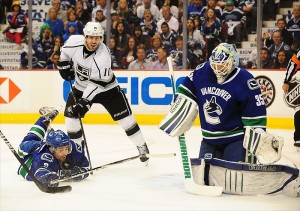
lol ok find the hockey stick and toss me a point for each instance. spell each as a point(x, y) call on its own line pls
point(189, 182)
point(167, 155)
point(42, 187)
point(80, 121)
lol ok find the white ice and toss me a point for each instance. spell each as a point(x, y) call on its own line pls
point(131, 185)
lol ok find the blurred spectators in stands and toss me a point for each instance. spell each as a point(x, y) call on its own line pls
point(168, 18)
point(148, 25)
point(233, 28)
point(147, 5)
point(281, 60)
point(167, 36)
point(211, 4)
point(173, 8)
point(270, 9)
point(114, 54)
point(249, 7)
point(1, 67)
point(39, 58)
point(156, 43)
point(45, 39)
point(140, 38)
point(286, 35)
point(129, 53)
point(194, 9)
point(279, 45)
point(67, 4)
point(71, 29)
point(121, 36)
point(265, 60)
point(55, 23)
point(211, 29)
point(100, 17)
point(61, 14)
point(126, 14)
point(141, 62)
point(294, 24)
point(195, 41)
point(101, 5)
point(71, 14)
point(83, 15)
point(17, 28)
point(161, 63)
point(54, 59)
point(177, 54)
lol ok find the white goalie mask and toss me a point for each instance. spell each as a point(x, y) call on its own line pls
point(93, 29)
point(223, 60)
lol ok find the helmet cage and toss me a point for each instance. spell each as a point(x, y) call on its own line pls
point(222, 61)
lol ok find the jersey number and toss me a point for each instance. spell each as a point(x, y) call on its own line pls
point(259, 100)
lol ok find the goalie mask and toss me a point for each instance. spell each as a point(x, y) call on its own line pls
point(58, 138)
point(223, 60)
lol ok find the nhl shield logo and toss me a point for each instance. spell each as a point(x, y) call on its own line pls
point(292, 97)
point(267, 89)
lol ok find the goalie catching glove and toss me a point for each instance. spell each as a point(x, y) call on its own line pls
point(65, 70)
point(81, 108)
point(181, 116)
point(265, 146)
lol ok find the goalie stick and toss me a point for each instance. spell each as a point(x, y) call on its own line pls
point(167, 155)
point(42, 187)
point(189, 182)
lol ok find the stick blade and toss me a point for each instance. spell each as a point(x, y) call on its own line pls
point(202, 190)
point(62, 189)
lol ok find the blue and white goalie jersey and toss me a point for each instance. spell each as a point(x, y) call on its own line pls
point(225, 109)
point(93, 73)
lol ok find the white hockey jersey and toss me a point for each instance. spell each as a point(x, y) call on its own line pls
point(93, 74)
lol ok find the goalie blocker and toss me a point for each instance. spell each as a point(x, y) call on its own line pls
point(181, 116)
point(247, 179)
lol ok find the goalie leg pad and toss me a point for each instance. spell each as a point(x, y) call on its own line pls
point(181, 116)
point(265, 146)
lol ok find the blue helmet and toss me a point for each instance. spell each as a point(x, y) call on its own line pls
point(58, 139)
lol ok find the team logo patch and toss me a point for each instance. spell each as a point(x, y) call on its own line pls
point(212, 110)
point(82, 72)
point(252, 84)
point(292, 97)
point(47, 157)
point(267, 89)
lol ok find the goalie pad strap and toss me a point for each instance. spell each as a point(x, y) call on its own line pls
point(181, 116)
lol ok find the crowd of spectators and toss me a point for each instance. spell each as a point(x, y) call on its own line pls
point(145, 32)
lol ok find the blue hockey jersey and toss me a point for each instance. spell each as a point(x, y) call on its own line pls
point(225, 109)
point(41, 162)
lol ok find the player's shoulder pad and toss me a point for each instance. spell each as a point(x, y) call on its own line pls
point(74, 40)
point(246, 77)
point(47, 157)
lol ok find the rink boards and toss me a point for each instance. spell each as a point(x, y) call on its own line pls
point(22, 93)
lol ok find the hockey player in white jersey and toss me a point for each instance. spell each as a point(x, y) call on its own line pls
point(95, 83)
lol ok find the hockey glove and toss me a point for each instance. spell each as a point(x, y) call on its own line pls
point(65, 71)
point(81, 107)
point(79, 170)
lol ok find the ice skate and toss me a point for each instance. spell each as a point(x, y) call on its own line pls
point(143, 150)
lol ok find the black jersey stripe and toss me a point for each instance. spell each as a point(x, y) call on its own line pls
point(104, 84)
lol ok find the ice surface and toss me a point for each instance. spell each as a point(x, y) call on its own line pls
point(131, 185)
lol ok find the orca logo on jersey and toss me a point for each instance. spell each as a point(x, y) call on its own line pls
point(292, 97)
point(267, 89)
point(211, 107)
point(82, 72)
